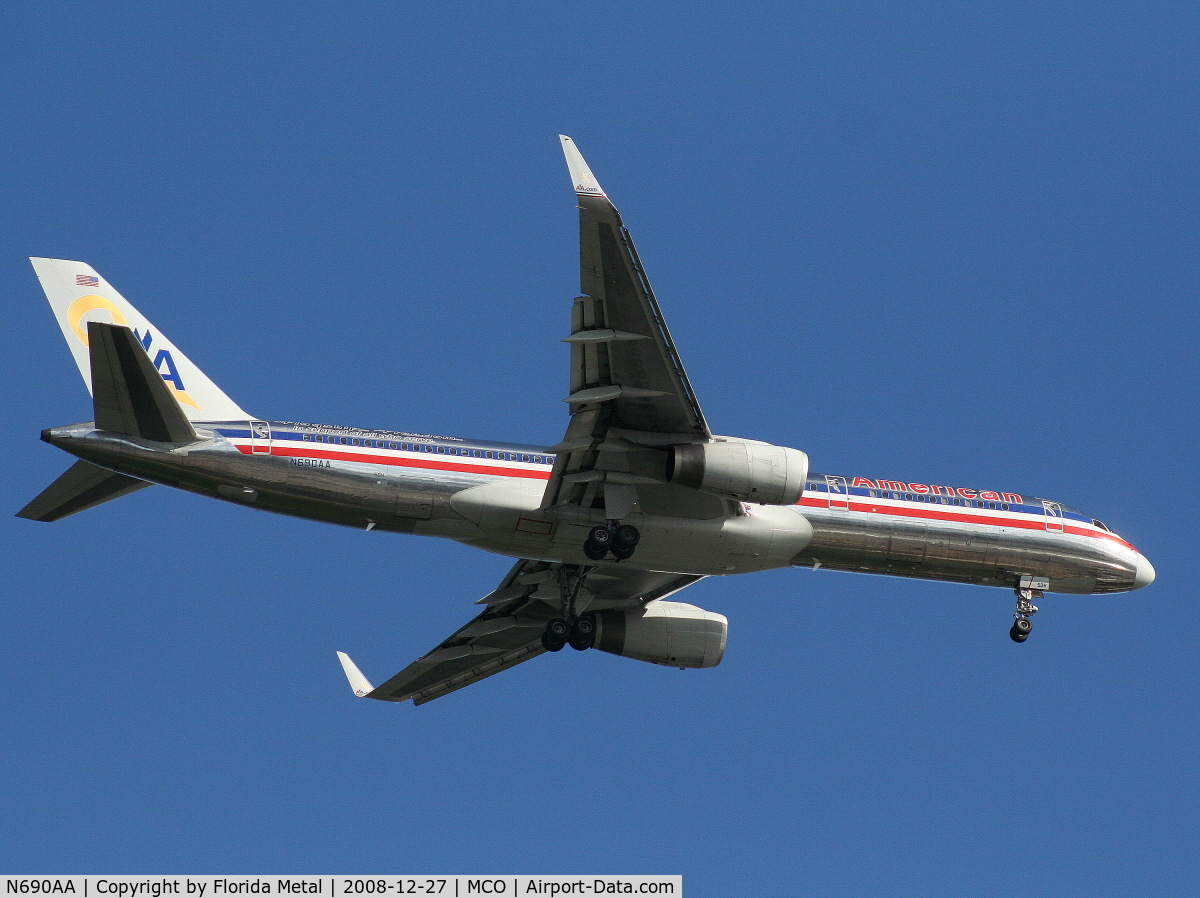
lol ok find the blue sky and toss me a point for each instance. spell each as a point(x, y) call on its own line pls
point(918, 241)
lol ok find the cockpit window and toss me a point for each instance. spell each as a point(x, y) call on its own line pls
point(1100, 524)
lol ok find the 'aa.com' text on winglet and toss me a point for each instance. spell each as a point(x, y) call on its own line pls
point(585, 182)
point(360, 684)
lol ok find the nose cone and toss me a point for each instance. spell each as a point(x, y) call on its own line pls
point(1145, 572)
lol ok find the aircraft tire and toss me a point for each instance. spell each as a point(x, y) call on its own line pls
point(600, 536)
point(627, 535)
point(550, 644)
point(622, 552)
point(558, 629)
point(594, 552)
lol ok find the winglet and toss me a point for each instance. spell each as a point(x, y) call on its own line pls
point(360, 684)
point(585, 182)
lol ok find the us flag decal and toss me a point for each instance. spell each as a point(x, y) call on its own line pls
point(87, 280)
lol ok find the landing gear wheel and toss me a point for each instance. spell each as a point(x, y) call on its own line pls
point(622, 552)
point(1021, 629)
point(583, 633)
point(594, 552)
point(627, 535)
point(600, 536)
point(555, 635)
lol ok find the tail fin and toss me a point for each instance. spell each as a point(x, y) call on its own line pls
point(82, 486)
point(128, 395)
point(78, 295)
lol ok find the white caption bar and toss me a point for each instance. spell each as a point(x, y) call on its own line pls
point(336, 886)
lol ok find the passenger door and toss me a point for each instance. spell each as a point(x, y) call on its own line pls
point(260, 438)
point(1054, 516)
point(838, 492)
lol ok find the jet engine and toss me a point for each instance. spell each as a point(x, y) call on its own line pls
point(751, 472)
point(669, 633)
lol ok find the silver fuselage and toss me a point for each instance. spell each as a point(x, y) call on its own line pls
point(489, 495)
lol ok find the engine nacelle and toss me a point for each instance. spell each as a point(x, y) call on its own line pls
point(669, 633)
point(751, 472)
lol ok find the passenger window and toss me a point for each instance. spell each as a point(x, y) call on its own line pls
point(344, 441)
point(487, 454)
point(524, 458)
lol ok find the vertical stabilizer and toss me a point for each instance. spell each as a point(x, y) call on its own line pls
point(79, 295)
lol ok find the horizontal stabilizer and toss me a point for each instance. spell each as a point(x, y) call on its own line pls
point(360, 684)
point(82, 486)
point(129, 395)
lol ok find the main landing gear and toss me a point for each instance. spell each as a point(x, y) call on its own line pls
point(578, 634)
point(620, 539)
point(573, 629)
point(1023, 626)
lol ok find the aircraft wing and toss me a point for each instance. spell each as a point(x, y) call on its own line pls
point(630, 396)
point(509, 630)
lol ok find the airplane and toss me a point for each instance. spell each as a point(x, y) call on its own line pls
point(637, 501)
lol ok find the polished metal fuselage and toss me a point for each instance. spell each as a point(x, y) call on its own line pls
point(495, 505)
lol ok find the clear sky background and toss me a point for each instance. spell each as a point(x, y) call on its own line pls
point(918, 241)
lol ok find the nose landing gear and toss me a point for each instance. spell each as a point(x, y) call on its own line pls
point(620, 539)
point(1023, 626)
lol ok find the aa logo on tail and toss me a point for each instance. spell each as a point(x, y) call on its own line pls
point(164, 363)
